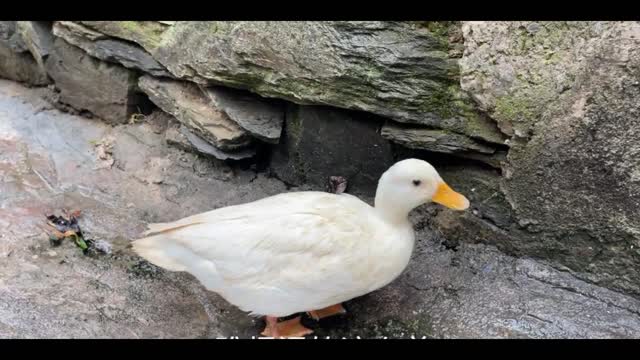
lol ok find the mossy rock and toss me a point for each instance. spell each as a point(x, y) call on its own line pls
point(400, 70)
point(147, 34)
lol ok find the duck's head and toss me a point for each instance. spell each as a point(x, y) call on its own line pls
point(412, 182)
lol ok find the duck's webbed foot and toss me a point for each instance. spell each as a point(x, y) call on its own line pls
point(328, 311)
point(285, 329)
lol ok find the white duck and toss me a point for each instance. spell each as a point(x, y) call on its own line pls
point(301, 251)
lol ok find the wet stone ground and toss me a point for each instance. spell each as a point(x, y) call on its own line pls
point(49, 161)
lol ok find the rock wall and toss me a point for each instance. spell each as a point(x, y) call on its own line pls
point(567, 94)
point(535, 121)
point(16, 63)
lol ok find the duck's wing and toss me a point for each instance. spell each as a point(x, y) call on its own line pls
point(289, 241)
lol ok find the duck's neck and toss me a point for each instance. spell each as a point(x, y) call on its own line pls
point(390, 209)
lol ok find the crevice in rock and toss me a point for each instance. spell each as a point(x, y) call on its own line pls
point(141, 104)
point(577, 291)
point(481, 216)
point(441, 160)
point(539, 318)
point(450, 245)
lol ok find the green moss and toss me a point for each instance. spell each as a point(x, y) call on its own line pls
point(557, 33)
point(449, 101)
point(521, 110)
point(148, 34)
point(440, 102)
point(552, 35)
point(515, 109)
point(221, 28)
point(526, 105)
point(441, 30)
point(552, 57)
point(525, 43)
point(446, 101)
point(483, 128)
point(373, 72)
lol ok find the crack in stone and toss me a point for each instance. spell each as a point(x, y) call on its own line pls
point(587, 295)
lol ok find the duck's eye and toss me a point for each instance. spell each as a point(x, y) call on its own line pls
point(416, 182)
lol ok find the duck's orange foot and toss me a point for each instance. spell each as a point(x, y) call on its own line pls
point(328, 311)
point(285, 329)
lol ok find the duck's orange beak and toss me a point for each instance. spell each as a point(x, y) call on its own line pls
point(446, 196)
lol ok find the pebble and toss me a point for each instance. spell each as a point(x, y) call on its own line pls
point(102, 246)
point(533, 28)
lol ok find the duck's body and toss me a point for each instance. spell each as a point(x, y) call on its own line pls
point(285, 254)
point(301, 251)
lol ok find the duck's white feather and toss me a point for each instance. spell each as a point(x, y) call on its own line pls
point(285, 254)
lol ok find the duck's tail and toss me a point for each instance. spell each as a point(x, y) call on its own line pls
point(159, 246)
point(160, 251)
